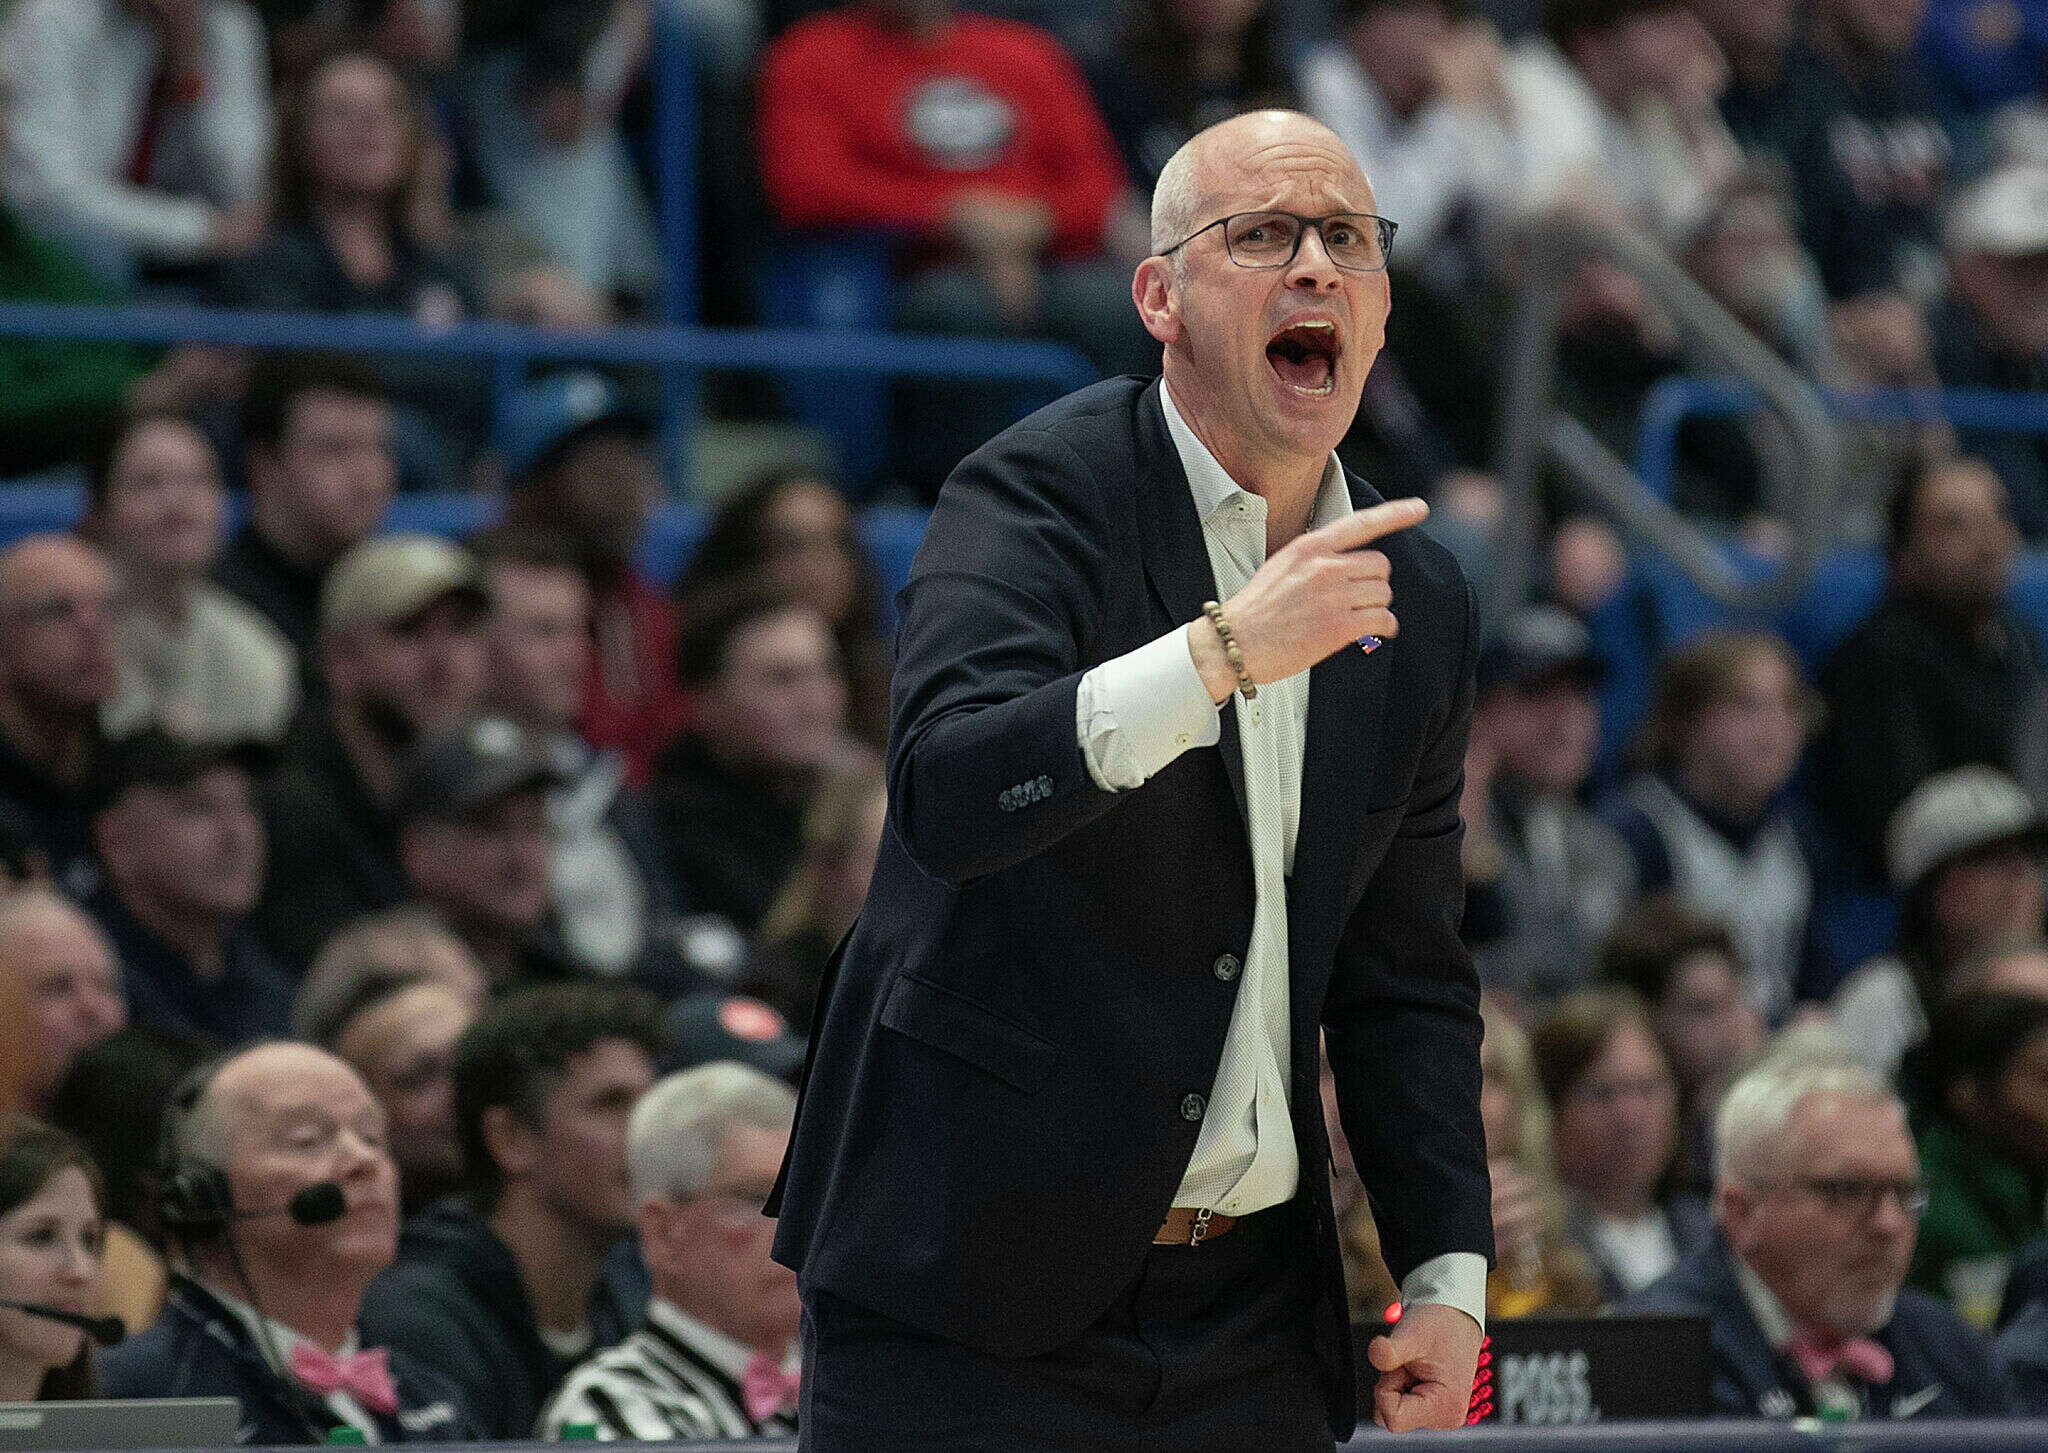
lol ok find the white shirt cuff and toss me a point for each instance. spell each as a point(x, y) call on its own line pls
point(1455, 1279)
point(1138, 712)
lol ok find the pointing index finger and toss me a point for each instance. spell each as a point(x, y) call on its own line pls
point(1362, 527)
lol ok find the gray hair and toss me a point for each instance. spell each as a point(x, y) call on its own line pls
point(1175, 198)
point(679, 1126)
point(1750, 1123)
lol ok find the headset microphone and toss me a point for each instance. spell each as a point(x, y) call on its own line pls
point(316, 1205)
point(104, 1330)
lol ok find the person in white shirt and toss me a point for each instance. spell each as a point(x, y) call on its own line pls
point(1614, 1129)
point(193, 658)
point(139, 127)
point(717, 1356)
point(1419, 99)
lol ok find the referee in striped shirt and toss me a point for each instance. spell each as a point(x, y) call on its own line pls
point(717, 1356)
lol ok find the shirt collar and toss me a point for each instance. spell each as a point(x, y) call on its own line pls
point(728, 1356)
point(280, 1337)
point(1771, 1317)
point(1212, 487)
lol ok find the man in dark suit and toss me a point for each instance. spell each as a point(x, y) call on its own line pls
point(1059, 1178)
point(1818, 1194)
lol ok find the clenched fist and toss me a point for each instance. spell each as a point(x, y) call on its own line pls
point(1318, 593)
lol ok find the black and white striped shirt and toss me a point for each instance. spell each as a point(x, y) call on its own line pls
point(672, 1380)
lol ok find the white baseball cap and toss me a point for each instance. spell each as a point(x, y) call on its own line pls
point(1957, 812)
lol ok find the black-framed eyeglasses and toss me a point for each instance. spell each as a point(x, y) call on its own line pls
point(1852, 1196)
point(1354, 241)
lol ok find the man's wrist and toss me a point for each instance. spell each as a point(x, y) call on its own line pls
point(1205, 648)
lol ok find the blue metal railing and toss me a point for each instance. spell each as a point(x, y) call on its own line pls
point(511, 346)
point(1672, 401)
point(675, 164)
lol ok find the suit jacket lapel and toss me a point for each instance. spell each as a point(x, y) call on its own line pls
point(1176, 558)
point(1347, 694)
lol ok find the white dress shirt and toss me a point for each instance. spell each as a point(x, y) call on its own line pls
point(1136, 714)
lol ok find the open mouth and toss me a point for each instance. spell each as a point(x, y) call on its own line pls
point(1305, 355)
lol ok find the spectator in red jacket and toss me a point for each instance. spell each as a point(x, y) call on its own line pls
point(974, 137)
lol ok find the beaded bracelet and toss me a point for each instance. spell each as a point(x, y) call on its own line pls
point(1231, 651)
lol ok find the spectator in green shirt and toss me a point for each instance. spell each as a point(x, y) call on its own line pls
point(1985, 1152)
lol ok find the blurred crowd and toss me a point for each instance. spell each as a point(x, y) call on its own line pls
point(492, 881)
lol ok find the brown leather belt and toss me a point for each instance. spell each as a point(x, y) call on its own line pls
point(1185, 1226)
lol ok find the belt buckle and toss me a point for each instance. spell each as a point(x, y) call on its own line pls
point(1199, 1228)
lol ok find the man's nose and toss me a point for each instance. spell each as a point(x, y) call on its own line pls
point(1312, 267)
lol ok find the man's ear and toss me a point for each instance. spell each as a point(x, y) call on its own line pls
point(510, 1142)
point(1156, 292)
point(1733, 1203)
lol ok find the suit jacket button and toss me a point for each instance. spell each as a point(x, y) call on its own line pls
point(1192, 1106)
point(1226, 967)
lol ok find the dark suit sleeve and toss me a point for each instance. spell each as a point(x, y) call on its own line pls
point(985, 764)
point(1402, 1015)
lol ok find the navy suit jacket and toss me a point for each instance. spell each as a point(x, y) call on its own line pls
point(198, 1348)
point(1012, 1047)
point(1943, 1366)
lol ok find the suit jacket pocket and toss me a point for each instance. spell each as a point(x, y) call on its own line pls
point(964, 1029)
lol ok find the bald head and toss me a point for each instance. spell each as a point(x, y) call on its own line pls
point(68, 980)
point(34, 915)
point(245, 1081)
point(56, 624)
point(1191, 175)
point(35, 561)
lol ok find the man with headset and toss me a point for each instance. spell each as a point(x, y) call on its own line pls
point(277, 1183)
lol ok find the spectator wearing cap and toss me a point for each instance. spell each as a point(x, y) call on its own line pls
point(717, 1354)
point(182, 848)
point(770, 709)
point(578, 459)
point(396, 1027)
point(402, 648)
point(507, 1288)
point(1817, 1199)
point(1991, 330)
point(59, 664)
point(1549, 873)
point(473, 839)
point(267, 1306)
point(610, 884)
point(1985, 1145)
point(192, 656)
point(710, 1025)
point(1708, 818)
point(1965, 852)
point(316, 435)
point(67, 982)
point(1942, 672)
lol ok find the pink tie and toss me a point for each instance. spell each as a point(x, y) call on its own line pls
point(766, 1387)
point(364, 1376)
point(1859, 1357)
